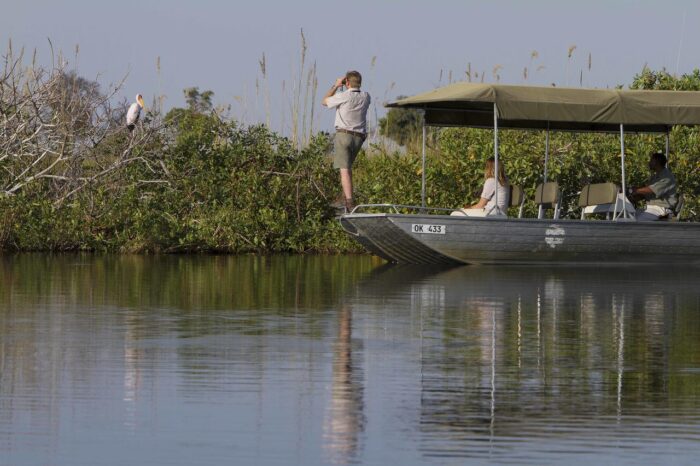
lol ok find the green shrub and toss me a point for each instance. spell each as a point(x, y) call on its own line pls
point(207, 184)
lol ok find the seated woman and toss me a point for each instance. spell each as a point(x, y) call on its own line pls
point(487, 202)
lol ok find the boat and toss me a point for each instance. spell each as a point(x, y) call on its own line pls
point(430, 235)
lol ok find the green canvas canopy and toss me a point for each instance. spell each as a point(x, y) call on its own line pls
point(568, 109)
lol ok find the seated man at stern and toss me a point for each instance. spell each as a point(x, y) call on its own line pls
point(660, 191)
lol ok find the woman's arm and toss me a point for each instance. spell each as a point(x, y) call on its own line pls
point(479, 205)
point(487, 192)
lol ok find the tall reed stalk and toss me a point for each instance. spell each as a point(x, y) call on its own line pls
point(570, 53)
point(296, 105)
point(265, 88)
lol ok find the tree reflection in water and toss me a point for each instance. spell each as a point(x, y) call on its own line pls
point(266, 360)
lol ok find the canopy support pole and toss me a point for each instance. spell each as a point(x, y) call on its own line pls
point(540, 210)
point(624, 185)
point(495, 156)
point(422, 189)
point(668, 142)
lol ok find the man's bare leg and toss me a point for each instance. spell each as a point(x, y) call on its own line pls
point(346, 183)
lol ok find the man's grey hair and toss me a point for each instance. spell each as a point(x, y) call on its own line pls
point(353, 78)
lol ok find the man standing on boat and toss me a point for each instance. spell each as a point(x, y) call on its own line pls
point(660, 191)
point(350, 127)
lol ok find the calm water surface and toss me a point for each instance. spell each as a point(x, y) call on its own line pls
point(338, 360)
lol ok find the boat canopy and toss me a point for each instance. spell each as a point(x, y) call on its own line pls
point(556, 108)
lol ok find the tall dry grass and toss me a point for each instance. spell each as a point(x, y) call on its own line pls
point(298, 115)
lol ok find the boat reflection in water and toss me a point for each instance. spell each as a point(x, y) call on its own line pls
point(514, 360)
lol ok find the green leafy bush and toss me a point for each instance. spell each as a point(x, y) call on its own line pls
point(207, 184)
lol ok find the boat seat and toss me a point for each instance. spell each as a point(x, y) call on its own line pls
point(601, 198)
point(679, 208)
point(517, 198)
point(597, 198)
point(548, 196)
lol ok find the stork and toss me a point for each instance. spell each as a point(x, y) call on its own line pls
point(132, 116)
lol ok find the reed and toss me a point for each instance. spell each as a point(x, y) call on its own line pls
point(496, 72)
point(372, 113)
point(312, 109)
point(533, 56)
point(265, 88)
point(283, 114)
point(570, 53)
point(158, 100)
point(298, 82)
point(299, 106)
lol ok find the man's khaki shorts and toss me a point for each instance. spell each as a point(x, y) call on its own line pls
point(346, 148)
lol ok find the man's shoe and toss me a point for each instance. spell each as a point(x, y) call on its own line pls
point(349, 205)
point(339, 202)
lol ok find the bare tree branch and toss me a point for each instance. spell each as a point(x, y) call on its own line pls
point(56, 125)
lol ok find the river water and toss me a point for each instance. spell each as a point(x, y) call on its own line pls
point(113, 360)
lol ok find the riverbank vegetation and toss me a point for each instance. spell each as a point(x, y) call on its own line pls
point(197, 180)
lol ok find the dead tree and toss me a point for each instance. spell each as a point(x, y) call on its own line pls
point(59, 129)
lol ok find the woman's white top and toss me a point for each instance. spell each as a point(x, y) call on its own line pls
point(489, 193)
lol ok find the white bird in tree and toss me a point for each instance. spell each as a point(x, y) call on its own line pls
point(132, 116)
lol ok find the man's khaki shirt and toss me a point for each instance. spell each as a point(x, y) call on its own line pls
point(663, 184)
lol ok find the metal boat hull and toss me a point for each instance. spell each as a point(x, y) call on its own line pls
point(492, 240)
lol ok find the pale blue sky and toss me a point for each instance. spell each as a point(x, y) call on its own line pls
point(217, 44)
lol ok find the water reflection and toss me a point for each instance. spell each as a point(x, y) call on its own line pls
point(345, 417)
point(316, 360)
point(133, 357)
point(556, 348)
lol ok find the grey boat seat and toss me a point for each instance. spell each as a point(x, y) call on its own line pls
point(598, 198)
point(548, 196)
point(517, 198)
point(604, 198)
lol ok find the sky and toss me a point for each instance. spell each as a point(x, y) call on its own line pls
point(401, 47)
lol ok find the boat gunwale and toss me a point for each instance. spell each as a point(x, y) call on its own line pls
point(495, 218)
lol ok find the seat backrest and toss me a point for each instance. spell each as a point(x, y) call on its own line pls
point(679, 207)
point(547, 194)
point(517, 195)
point(599, 193)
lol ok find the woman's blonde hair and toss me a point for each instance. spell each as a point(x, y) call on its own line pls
point(489, 169)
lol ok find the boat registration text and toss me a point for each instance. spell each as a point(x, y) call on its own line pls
point(431, 229)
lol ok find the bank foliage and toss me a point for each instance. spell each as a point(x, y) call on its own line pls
point(195, 180)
